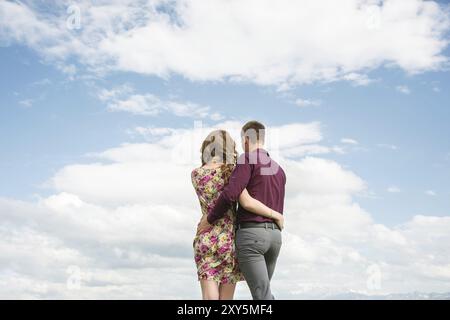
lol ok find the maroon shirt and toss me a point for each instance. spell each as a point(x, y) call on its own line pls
point(265, 181)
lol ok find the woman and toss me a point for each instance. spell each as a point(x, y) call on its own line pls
point(217, 267)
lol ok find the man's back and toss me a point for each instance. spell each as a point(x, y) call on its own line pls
point(266, 184)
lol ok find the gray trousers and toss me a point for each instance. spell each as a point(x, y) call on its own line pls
point(257, 251)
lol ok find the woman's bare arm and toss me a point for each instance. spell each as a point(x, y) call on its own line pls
point(257, 207)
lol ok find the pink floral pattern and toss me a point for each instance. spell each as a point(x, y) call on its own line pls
point(214, 251)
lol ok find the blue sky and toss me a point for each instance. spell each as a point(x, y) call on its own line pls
point(65, 121)
point(91, 116)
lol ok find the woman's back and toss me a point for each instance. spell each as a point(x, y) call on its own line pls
point(208, 183)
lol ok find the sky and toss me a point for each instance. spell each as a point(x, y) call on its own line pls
point(104, 106)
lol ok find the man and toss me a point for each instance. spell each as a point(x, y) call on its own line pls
point(258, 238)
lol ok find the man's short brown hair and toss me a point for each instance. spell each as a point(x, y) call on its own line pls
point(255, 131)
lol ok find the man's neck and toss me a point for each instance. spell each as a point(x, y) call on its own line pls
point(254, 147)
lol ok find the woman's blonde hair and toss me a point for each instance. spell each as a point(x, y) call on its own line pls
point(219, 144)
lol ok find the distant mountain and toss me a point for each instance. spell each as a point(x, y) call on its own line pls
point(394, 296)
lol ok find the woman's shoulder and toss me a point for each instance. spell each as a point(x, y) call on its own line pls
point(201, 172)
point(206, 169)
point(195, 172)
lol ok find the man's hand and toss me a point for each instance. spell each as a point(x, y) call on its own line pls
point(203, 225)
point(279, 220)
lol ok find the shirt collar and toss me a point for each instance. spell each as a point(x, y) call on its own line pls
point(261, 150)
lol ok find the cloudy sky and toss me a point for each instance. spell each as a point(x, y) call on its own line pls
point(104, 105)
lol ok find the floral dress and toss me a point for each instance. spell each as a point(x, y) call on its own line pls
point(214, 250)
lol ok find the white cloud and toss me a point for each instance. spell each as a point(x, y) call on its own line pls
point(115, 93)
point(26, 102)
point(124, 99)
point(267, 43)
point(126, 220)
point(138, 104)
point(430, 193)
point(68, 69)
point(152, 131)
point(403, 89)
point(310, 149)
point(291, 135)
point(387, 146)
point(42, 82)
point(358, 79)
point(172, 146)
point(393, 189)
point(307, 103)
point(349, 141)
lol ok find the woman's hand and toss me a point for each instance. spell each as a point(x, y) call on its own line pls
point(279, 219)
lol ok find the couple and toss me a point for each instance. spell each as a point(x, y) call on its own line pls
point(234, 245)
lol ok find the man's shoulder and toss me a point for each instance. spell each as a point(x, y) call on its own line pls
point(280, 168)
point(243, 159)
point(253, 157)
point(282, 172)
